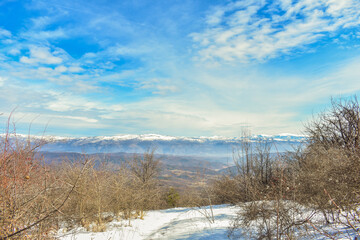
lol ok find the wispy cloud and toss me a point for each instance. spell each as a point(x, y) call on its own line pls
point(138, 67)
point(45, 35)
point(71, 103)
point(160, 86)
point(41, 55)
point(2, 81)
point(4, 33)
point(259, 30)
point(84, 119)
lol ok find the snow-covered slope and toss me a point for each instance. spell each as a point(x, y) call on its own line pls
point(193, 224)
point(177, 223)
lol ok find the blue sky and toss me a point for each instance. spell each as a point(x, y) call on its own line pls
point(182, 68)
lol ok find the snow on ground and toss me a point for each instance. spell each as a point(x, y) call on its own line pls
point(176, 223)
point(188, 223)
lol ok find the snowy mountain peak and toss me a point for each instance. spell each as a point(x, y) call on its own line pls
point(194, 146)
point(158, 137)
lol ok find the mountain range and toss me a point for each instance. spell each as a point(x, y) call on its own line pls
point(183, 159)
point(181, 146)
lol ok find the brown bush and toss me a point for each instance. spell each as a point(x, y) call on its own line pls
point(323, 175)
point(331, 161)
point(251, 177)
point(31, 194)
point(104, 192)
point(91, 196)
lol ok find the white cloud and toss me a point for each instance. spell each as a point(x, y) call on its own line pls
point(89, 55)
point(163, 91)
point(199, 118)
point(67, 102)
point(5, 33)
point(2, 81)
point(242, 31)
point(85, 119)
point(294, 91)
point(14, 51)
point(82, 86)
point(344, 80)
point(45, 35)
point(41, 22)
point(41, 29)
point(54, 34)
point(160, 86)
point(75, 69)
point(61, 69)
point(49, 122)
point(63, 103)
point(127, 51)
point(41, 55)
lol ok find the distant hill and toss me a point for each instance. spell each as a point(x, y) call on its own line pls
point(177, 171)
point(183, 159)
point(181, 146)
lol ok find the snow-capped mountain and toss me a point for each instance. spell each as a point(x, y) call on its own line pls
point(195, 146)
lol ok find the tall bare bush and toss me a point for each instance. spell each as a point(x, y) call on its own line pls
point(31, 193)
point(252, 174)
point(331, 164)
point(145, 170)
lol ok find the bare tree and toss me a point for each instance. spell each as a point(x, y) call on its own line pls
point(331, 164)
point(338, 127)
point(143, 189)
point(145, 168)
point(332, 158)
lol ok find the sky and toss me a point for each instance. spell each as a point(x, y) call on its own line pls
point(179, 68)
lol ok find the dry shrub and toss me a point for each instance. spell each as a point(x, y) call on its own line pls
point(276, 219)
point(92, 194)
point(31, 194)
point(227, 190)
point(251, 177)
point(323, 176)
point(329, 169)
point(104, 192)
point(263, 184)
point(37, 199)
point(331, 161)
point(271, 210)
